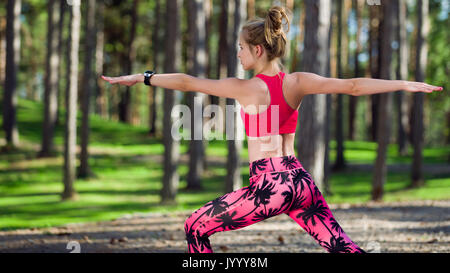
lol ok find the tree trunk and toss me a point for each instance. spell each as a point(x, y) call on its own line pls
point(353, 103)
point(61, 47)
point(171, 65)
point(196, 100)
point(311, 137)
point(156, 51)
point(71, 104)
point(402, 74)
point(2, 50)
point(223, 45)
point(51, 80)
point(423, 27)
point(374, 48)
point(329, 103)
point(12, 65)
point(100, 97)
point(125, 114)
point(385, 106)
point(209, 73)
point(88, 80)
point(234, 141)
point(340, 161)
point(251, 8)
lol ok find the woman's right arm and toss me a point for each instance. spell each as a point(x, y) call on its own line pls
point(174, 81)
point(227, 88)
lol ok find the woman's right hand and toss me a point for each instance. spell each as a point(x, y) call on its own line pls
point(128, 80)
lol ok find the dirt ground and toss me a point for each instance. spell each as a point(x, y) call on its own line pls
point(418, 226)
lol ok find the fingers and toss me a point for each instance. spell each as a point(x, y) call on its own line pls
point(111, 80)
point(424, 87)
point(430, 88)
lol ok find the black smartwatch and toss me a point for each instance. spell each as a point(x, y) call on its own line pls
point(147, 75)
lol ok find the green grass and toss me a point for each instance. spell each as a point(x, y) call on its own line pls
point(129, 181)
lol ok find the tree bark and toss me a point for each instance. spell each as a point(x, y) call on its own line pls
point(353, 100)
point(385, 106)
point(311, 136)
point(71, 104)
point(100, 97)
point(51, 80)
point(340, 161)
point(423, 27)
point(125, 113)
point(61, 47)
point(402, 74)
point(233, 179)
point(12, 65)
point(171, 65)
point(196, 100)
point(88, 84)
point(374, 64)
point(156, 51)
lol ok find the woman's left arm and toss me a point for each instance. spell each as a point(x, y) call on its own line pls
point(311, 83)
point(368, 86)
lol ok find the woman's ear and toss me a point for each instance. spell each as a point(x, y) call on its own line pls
point(259, 50)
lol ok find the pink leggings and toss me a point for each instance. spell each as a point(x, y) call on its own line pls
point(277, 185)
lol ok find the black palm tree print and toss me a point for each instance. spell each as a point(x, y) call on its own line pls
point(248, 190)
point(335, 225)
point(203, 242)
point(264, 215)
point(315, 210)
point(313, 234)
point(228, 222)
point(290, 162)
point(263, 193)
point(337, 245)
point(297, 176)
point(298, 202)
point(282, 177)
point(288, 196)
point(191, 240)
point(217, 206)
point(316, 191)
point(259, 164)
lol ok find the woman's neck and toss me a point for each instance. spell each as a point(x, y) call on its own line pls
point(270, 68)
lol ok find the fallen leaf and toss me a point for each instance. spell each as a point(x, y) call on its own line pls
point(224, 248)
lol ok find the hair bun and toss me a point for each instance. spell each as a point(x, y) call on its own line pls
point(274, 22)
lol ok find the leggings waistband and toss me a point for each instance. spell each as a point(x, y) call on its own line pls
point(272, 164)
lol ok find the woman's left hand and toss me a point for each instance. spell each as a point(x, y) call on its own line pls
point(421, 87)
point(128, 80)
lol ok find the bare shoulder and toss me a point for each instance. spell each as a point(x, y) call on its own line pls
point(306, 83)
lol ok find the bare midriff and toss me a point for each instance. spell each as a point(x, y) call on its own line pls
point(270, 146)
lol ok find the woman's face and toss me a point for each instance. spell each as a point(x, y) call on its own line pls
point(245, 54)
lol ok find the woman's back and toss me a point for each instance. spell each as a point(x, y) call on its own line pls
point(274, 145)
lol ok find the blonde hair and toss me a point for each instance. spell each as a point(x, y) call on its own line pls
point(268, 32)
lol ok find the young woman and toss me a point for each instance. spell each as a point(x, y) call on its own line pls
point(278, 181)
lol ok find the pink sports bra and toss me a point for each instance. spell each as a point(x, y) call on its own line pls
point(278, 118)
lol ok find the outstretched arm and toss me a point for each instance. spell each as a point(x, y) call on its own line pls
point(310, 83)
point(227, 88)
